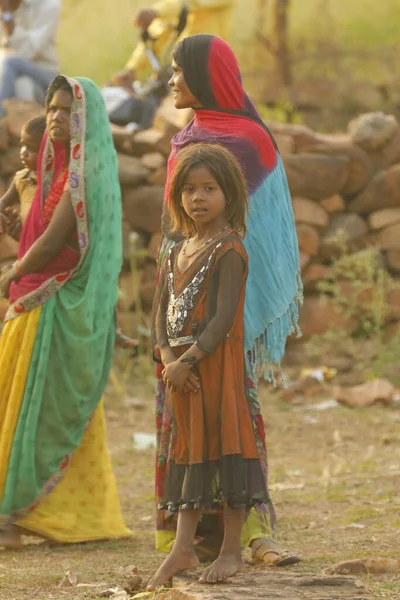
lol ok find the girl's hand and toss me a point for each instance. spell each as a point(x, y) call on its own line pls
point(177, 375)
point(167, 355)
point(14, 225)
point(192, 384)
point(6, 280)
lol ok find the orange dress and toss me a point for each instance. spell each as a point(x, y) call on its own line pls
point(210, 450)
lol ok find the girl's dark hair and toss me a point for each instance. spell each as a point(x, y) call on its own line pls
point(60, 83)
point(35, 126)
point(226, 171)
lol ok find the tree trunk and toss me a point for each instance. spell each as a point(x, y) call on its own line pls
point(280, 17)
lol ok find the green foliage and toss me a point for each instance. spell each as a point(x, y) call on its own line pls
point(283, 112)
point(359, 287)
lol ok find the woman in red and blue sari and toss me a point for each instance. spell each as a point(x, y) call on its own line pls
point(206, 77)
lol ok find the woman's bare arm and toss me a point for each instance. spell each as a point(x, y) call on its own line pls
point(49, 245)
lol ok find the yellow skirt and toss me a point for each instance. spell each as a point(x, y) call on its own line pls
point(84, 506)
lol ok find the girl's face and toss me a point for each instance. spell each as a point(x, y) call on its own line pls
point(183, 97)
point(58, 117)
point(30, 145)
point(202, 198)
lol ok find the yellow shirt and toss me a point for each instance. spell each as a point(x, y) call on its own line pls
point(205, 16)
point(25, 181)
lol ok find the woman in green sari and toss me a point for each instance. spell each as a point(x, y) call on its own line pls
point(56, 347)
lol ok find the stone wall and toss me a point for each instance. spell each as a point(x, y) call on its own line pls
point(348, 182)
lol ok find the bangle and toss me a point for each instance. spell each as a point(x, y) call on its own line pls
point(18, 269)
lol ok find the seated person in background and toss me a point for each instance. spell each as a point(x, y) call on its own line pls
point(28, 53)
point(161, 26)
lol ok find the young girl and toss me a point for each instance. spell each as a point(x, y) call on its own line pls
point(17, 201)
point(211, 455)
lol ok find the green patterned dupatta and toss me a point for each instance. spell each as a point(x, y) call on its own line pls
point(74, 343)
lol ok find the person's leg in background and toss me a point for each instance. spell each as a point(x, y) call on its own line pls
point(12, 67)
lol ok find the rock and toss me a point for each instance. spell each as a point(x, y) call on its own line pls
point(259, 585)
point(303, 137)
point(389, 238)
point(365, 395)
point(393, 261)
point(159, 177)
point(312, 275)
point(316, 176)
point(126, 246)
point(304, 259)
point(285, 143)
point(149, 271)
point(151, 140)
point(147, 286)
point(372, 130)
point(308, 238)
point(360, 167)
point(3, 186)
point(18, 112)
point(388, 155)
point(384, 218)
point(142, 208)
point(131, 171)
point(393, 300)
point(154, 245)
point(333, 204)
point(153, 160)
point(10, 161)
point(147, 292)
point(4, 136)
point(353, 227)
point(392, 330)
point(319, 314)
point(309, 212)
point(169, 119)
point(123, 139)
point(383, 191)
point(374, 566)
point(8, 248)
point(357, 295)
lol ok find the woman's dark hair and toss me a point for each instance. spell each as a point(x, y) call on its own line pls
point(60, 83)
point(192, 56)
point(226, 171)
point(36, 127)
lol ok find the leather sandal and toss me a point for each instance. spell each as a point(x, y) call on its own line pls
point(268, 551)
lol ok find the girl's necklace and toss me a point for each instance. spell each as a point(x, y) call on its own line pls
point(203, 245)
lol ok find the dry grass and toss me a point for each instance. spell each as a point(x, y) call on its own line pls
point(335, 483)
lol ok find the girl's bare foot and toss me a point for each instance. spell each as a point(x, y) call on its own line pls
point(175, 562)
point(225, 566)
point(11, 538)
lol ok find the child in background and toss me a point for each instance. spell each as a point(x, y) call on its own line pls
point(211, 454)
point(17, 201)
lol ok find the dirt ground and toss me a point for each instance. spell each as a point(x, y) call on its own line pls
point(334, 479)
